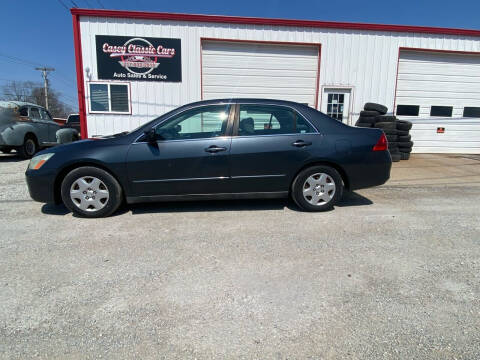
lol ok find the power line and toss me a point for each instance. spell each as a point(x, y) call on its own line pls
point(100, 3)
point(63, 4)
point(73, 3)
point(88, 3)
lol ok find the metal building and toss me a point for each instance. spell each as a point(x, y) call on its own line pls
point(134, 66)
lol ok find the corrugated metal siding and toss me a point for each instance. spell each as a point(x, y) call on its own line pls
point(364, 60)
point(286, 72)
point(460, 136)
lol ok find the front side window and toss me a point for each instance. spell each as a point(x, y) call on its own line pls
point(109, 98)
point(204, 122)
point(45, 115)
point(271, 120)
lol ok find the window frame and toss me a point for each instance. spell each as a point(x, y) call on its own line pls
point(228, 132)
point(236, 123)
point(108, 83)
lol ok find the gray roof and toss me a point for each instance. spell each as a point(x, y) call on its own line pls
point(14, 104)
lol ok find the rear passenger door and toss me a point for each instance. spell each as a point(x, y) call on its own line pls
point(270, 143)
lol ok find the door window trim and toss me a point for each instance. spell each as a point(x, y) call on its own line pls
point(228, 130)
point(236, 122)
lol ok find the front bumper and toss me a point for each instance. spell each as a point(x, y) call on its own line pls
point(41, 185)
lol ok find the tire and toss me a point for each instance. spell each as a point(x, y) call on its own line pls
point(405, 144)
point(404, 156)
point(29, 147)
point(404, 138)
point(6, 150)
point(366, 125)
point(303, 179)
point(375, 107)
point(404, 125)
point(366, 113)
point(390, 132)
point(393, 144)
point(405, 149)
point(367, 119)
point(392, 138)
point(402, 132)
point(385, 118)
point(395, 157)
point(84, 204)
point(386, 125)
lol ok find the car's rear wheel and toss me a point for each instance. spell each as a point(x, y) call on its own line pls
point(29, 147)
point(317, 188)
point(91, 192)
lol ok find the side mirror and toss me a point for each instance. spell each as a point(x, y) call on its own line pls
point(150, 136)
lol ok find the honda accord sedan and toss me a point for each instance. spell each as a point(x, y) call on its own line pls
point(216, 149)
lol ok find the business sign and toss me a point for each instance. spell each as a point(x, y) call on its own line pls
point(138, 58)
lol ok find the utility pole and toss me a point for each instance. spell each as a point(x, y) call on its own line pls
point(45, 71)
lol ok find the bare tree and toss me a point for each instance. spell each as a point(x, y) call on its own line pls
point(34, 92)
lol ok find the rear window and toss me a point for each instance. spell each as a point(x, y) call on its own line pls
point(73, 119)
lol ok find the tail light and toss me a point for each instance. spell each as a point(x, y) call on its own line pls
point(382, 144)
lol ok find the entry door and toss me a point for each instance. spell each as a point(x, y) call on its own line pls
point(336, 103)
point(272, 143)
point(40, 125)
point(190, 155)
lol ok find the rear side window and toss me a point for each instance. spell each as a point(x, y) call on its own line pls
point(271, 120)
point(23, 111)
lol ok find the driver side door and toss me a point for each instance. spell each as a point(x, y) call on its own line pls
point(189, 157)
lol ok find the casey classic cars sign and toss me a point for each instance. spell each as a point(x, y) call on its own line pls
point(138, 58)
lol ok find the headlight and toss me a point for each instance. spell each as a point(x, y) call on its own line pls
point(38, 161)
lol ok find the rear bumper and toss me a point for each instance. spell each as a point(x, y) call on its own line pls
point(41, 185)
point(374, 170)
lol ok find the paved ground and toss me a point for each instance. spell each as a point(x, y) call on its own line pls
point(391, 273)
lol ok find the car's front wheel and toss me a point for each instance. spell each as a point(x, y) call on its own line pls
point(317, 188)
point(91, 192)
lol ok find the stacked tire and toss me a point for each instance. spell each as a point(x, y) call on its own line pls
point(389, 126)
point(396, 131)
point(404, 142)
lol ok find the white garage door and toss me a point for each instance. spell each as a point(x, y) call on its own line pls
point(287, 72)
point(440, 90)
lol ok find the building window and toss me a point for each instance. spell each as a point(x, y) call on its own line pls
point(109, 98)
point(335, 104)
point(441, 111)
point(471, 112)
point(408, 110)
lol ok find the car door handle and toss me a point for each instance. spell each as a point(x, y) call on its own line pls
point(215, 149)
point(301, 143)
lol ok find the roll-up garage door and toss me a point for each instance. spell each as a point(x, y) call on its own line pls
point(440, 93)
point(256, 70)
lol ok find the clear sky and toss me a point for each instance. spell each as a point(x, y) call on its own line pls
point(39, 32)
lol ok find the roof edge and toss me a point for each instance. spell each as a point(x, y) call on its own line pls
point(272, 21)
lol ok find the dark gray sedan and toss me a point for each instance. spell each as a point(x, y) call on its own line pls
point(216, 149)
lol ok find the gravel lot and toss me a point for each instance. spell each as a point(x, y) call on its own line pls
point(391, 273)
